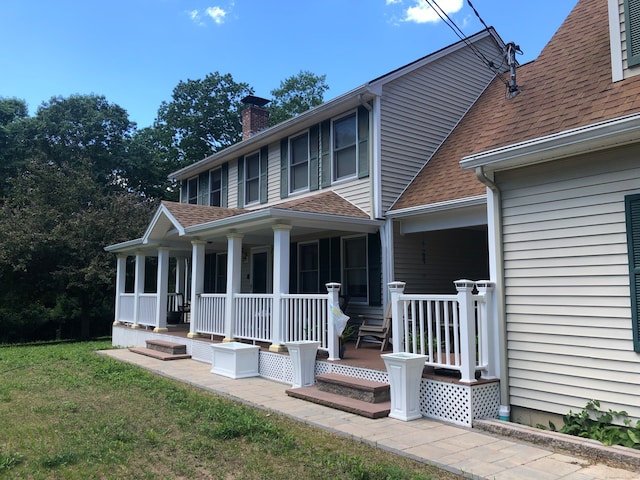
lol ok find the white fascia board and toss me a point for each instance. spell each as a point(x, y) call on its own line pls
point(438, 207)
point(162, 211)
point(338, 105)
point(124, 246)
point(577, 141)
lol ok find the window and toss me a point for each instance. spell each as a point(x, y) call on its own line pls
point(354, 270)
point(299, 157)
point(215, 182)
point(252, 178)
point(192, 190)
point(308, 270)
point(345, 147)
point(632, 209)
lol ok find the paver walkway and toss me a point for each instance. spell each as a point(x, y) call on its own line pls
point(457, 449)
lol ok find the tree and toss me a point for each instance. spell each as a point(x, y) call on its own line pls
point(57, 279)
point(296, 95)
point(13, 118)
point(202, 118)
point(83, 127)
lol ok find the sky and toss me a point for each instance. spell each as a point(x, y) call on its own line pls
point(135, 52)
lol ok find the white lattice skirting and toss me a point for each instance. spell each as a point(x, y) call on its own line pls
point(450, 402)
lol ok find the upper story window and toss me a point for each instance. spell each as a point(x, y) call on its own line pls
point(345, 147)
point(215, 187)
point(192, 190)
point(252, 178)
point(299, 162)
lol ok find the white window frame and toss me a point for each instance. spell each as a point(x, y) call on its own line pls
point(334, 169)
point(306, 162)
point(253, 179)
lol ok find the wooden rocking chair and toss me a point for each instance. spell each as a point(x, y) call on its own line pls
point(381, 332)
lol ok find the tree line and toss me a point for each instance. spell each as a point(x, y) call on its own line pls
point(79, 175)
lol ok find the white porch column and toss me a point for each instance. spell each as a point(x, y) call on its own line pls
point(162, 290)
point(333, 289)
point(281, 248)
point(467, 331)
point(138, 287)
point(234, 278)
point(397, 324)
point(197, 283)
point(121, 275)
point(489, 340)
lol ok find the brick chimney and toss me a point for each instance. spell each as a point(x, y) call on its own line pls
point(254, 116)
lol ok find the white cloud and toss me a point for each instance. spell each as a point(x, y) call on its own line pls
point(217, 14)
point(421, 12)
point(392, 2)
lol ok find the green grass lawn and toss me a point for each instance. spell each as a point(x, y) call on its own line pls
point(68, 413)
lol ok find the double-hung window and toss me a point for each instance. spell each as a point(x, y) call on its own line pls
point(345, 147)
point(192, 190)
point(299, 162)
point(354, 270)
point(215, 187)
point(252, 179)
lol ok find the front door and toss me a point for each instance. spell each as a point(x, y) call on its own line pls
point(260, 278)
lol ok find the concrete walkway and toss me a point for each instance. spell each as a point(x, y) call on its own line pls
point(473, 453)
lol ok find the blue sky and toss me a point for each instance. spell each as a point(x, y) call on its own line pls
point(134, 52)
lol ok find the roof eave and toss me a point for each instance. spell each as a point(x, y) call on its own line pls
point(578, 141)
point(437, 207)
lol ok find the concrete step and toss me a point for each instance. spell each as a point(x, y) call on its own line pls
point(149, 352)
point(340, 402)
point(167, 347)
point(356, 388)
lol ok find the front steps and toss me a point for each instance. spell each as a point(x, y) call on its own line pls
point(354, 395)
point(162, 350)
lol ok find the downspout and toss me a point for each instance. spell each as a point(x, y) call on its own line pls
point(498, 275)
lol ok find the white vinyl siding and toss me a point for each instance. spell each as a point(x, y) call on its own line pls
point(569, 327)
point(419, 110)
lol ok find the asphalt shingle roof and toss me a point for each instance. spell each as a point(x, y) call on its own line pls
point(569, 85)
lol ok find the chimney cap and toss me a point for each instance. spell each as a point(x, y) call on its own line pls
point(253, 100)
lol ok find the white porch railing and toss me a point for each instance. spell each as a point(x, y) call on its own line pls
point(452, 330)
point(147, 309)
point(253, 316)
point(307, 318)
point(126, 308)
point(211, 313)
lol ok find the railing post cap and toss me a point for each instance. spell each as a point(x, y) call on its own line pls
point(485, 284)
point(332, 286)
point(396, 285)
point(464, 284)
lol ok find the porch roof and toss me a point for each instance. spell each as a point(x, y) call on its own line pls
point(174, 223)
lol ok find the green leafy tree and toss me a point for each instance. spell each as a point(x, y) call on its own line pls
point(13, 119)
point(54, 224)
point(296, 95)
point(202, 117)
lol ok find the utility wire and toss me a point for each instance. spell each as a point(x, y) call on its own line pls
point(460, 34)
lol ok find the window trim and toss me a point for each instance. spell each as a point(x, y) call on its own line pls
point(290, 162)
point(257, 154)
point(211, 190)
point(352, 113)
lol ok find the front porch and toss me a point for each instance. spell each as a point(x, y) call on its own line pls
point(454, 331)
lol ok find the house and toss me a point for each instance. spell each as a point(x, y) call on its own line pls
point(271, 231)
point(559, 165)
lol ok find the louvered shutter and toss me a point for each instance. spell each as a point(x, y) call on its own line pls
point(264, 174)
point(363, 142)
point(184, 192)
point(325, 154)
point(284, 168)
point(314, 160)
point(240, 182)
point(224, 185)
point(632, 31)
point(632, 206)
